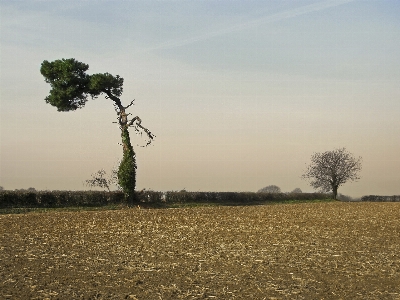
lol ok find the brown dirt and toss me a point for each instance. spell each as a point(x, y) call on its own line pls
point(291, 251)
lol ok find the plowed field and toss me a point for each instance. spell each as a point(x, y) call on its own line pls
point(291, 251)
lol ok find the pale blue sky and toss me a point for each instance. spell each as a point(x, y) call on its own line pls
point(239, 93)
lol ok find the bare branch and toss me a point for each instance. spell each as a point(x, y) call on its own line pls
point(136, 123)
point(98, 180)
point(133, 121)
point(130, 104)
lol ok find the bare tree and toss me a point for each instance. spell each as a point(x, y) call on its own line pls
point(272, 189)
point(99, 180)
point(331, 169)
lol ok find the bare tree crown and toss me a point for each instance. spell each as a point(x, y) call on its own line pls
point(331, 169)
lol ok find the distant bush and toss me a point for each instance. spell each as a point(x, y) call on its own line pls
point(374, 198)
point(270, 189)
point(296, 191)
point(345, 198)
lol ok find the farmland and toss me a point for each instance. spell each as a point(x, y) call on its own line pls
point(331, 250)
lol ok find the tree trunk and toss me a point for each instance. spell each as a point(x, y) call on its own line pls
point(334, 190)
point(127, 167)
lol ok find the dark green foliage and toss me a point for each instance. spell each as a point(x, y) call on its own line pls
point(9, 199)
point(69, 83)
point(17, 198)
point(239, 198)
point(106, 83)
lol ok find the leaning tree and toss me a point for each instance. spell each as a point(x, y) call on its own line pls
point(70, 88)
point(331, 169)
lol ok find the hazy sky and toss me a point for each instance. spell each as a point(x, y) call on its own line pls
point(240, 94)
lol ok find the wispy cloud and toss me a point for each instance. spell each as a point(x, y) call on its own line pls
point(306, 9)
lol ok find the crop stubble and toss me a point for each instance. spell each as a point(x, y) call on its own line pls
point(292, 251)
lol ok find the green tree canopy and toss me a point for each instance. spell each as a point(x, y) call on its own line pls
point(106, 83)
point(69, 83)
point(71, 86)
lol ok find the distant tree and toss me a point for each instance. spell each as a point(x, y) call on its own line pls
point(70, 88)
point(1, 188)
point(31, 189)
point(331, 169)
point(296, 191)
point(272, 189)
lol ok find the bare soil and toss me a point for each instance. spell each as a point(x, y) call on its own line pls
point(291, 251)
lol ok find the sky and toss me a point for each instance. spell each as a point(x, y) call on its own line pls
point(239, 94)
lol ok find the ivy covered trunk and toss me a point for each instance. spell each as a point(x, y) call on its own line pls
point(127, 167)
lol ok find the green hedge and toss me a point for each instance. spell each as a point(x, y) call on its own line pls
point(16, 199)
point(374, 198)
point(58, 198)
point(240, 198)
